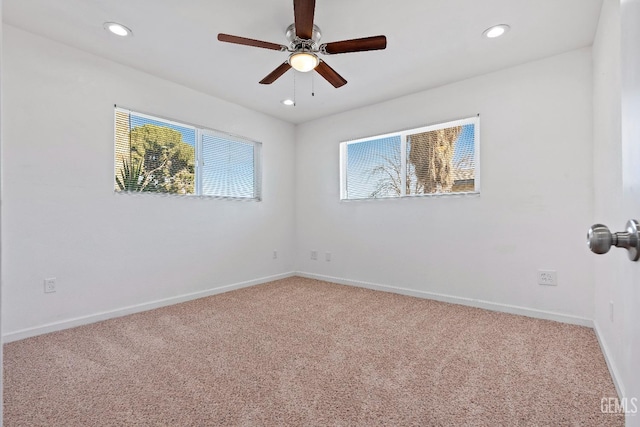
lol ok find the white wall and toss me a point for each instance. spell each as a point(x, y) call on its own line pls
point(62, 219)
point(535, 206)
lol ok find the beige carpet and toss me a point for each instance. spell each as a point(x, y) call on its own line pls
point(305, 352)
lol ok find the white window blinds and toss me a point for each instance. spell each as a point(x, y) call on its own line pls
point(155, 155)
point(228, 167)
point(433, 160)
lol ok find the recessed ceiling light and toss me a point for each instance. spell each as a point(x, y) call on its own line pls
point(496, 31)
point(288, 102)
point(117, 29)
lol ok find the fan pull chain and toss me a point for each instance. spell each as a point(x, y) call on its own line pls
point(294, 89)
point(313, 91)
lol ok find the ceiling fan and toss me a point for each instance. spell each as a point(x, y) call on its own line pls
point(303, 38)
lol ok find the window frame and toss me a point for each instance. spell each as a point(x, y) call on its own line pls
point(475, 120)
point(200, 131)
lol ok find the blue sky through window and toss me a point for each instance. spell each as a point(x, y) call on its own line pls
point(364, 158)
point(228, 168)
point(465, 144)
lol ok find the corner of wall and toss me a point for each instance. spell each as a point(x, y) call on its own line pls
point(608, 357)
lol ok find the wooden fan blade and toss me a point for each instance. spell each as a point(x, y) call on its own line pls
point(303, 11)
point(250, 42)
point(330, 75)
point(355, 45)
point(275, 74)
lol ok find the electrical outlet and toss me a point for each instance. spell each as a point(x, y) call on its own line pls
point(275, 254)
point(314, 255)
point(50, 285)
point(547, 277)
point(327, 256)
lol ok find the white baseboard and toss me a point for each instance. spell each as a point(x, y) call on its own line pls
point(488, 305)
point(613, 370)
point(97, 317)
point(105, 315)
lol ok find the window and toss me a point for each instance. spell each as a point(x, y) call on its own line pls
point(154, 155)
point(438, 159)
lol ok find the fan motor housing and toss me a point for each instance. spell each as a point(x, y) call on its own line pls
point(290, 34)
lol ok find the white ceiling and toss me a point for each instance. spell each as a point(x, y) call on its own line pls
point(429, 43)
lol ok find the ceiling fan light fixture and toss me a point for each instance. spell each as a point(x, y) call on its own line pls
point(304, 47)
point(303, 61)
